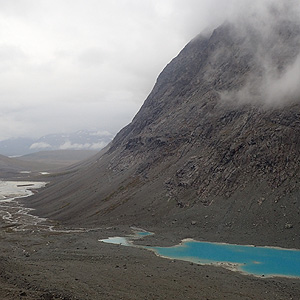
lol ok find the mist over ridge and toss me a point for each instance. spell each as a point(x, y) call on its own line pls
point(98, 60)
point(269, 34)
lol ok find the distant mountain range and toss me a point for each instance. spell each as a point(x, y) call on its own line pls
point(80, 140)
point(40, 163)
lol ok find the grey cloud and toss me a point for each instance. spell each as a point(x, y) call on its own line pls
point(72, 65)
point(76, 146)
point(40, 145)
point(11, 57)
point(92, 57)
point(11, 53)
point(270, 33)
point(101, 133)
point(284, 87)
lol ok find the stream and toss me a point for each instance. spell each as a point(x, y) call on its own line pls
point(247, 259)
point(16, 216)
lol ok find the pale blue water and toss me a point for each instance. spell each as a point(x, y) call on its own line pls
point(260, 261)
point(263, 261)
point(126, 241)
point(117, 240)
point(144, 233)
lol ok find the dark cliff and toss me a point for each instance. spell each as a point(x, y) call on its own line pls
point(205, 153)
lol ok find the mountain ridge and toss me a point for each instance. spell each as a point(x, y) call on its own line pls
point(195, 160)
point(79, 140)
point(41, 162)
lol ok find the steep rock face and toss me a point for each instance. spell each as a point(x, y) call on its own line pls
point(217, 140)
point(200, 148)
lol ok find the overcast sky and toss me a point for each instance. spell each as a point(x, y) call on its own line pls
point(67, 65)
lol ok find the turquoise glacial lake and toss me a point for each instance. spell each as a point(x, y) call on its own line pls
point(258, 261)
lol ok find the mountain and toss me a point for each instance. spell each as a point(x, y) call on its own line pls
point(213, 152)
point(16, 146)
point(12, 167)
point(79, 140)
point(59, 158)
point(39, 162)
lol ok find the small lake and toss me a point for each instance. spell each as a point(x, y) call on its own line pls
point(258, 261)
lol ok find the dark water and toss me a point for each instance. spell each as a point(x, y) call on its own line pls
point(259, 261)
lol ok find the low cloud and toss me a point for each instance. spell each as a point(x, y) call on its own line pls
point(102, 133)
point(284, 87)
point(98, 146)
point(40, 145)
point(75, 146)
point(271, 39)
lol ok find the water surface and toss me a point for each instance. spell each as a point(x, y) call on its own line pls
point(261, 261)
point(11, 211)
point(258, 261)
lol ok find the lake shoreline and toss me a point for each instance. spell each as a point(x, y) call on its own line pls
point(87, 269)
point(69, 263)
point(234, 265)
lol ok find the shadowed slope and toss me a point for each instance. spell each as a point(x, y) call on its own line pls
point(198, 152)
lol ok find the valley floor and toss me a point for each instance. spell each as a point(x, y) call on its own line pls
point(58, 265)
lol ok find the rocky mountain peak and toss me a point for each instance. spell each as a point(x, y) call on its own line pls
point(212, 142)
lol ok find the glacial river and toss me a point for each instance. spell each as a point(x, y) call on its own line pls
point(13, 213)
point(258, 261)
point(15, 216)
